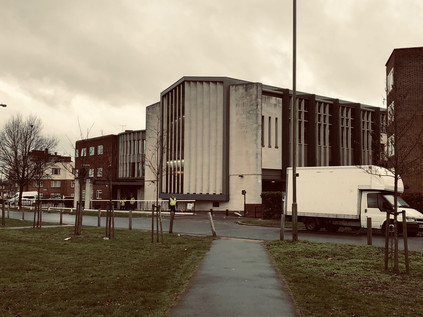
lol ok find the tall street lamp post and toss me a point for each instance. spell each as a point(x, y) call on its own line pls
point(294, 128)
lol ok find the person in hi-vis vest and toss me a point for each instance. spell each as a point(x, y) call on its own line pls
point(172, 203)
point(132, 202)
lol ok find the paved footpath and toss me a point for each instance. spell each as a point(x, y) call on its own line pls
point(236, 278)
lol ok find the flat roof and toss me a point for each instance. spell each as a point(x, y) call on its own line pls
point(402, 49)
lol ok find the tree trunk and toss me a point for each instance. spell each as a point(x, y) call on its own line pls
point(396, 221)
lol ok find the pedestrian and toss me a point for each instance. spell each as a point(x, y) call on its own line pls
point(172, 203)
point(122, 203)
point(132, 202)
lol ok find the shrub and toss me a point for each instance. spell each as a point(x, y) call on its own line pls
point(272, 204)
point(415, 200)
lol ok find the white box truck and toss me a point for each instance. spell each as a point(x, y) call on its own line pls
point(345, 196)
point(28, 198)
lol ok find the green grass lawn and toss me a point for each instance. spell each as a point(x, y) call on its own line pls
point(348, 280)
point(267, 223)
point(9, 222)
point(41, 274)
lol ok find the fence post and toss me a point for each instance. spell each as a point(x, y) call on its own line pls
point(369, 231)
point(405, 237)
point(172, 217)
point(99, 218)
point(212, 224)
point(282, 230)
point(2, 211)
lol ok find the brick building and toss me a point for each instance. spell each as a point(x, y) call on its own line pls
point(404, 87)
point(57, 179)
point(109, 167)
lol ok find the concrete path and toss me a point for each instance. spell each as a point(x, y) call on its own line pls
point(236, 278)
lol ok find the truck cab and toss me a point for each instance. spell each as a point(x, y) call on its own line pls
point(375, 204)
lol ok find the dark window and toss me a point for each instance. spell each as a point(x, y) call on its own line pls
point(372, 201)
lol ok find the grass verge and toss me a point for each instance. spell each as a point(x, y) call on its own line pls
point(347, 280)
point(268, 223)
point(41, 274)
point(9, 222)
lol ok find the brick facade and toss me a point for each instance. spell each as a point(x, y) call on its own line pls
point(57, 179)
point(404, 71)
point(110, 167)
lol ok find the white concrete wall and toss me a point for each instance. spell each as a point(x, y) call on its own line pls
point(203, 138)
point(272, 152)
point(245, 158)
point(152, 124)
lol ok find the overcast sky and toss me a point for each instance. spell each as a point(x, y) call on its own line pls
point(101, 62)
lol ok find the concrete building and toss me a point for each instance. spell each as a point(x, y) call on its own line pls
point(110, 167)
point(404, 87)
point(218, 136)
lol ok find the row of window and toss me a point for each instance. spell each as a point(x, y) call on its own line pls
point(99, 194)
point(269, 131)
point(52, 195)
point(54, 184)
point(91, 172)
point(91, 151)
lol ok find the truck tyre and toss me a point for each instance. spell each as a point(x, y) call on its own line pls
point(331, 227)
point(312, 224)
point(383, 229)
point(412, 233)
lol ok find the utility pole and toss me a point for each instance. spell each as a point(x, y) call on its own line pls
point(294, 128)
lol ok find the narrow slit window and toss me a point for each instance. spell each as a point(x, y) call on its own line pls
point(270, 132)
point(276, 133)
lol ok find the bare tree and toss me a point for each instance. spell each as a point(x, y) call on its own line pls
point(108, 175)
point(80, 177)
point(41, 162)
point(404, 153)
point(18, 139)
point(154, 162)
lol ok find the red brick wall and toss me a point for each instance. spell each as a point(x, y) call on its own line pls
point(408, 82)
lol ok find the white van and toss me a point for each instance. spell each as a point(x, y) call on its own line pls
point(28, 198)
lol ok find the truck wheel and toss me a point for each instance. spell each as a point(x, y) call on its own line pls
point(331, 227)
point(312, 224)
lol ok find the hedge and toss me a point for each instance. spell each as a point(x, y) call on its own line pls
point(415, 200)
point(272, 204)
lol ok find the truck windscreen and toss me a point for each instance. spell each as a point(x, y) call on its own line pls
point(401, 202)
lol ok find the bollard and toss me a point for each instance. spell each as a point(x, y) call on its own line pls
point(405, 238)
point(369, 231)
point(99, 218)
point(212, 224)
point(211, 211)
point(172, 217)
point(282, 228)
point(227, 212)
point(130, 219)
point(61, 216)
